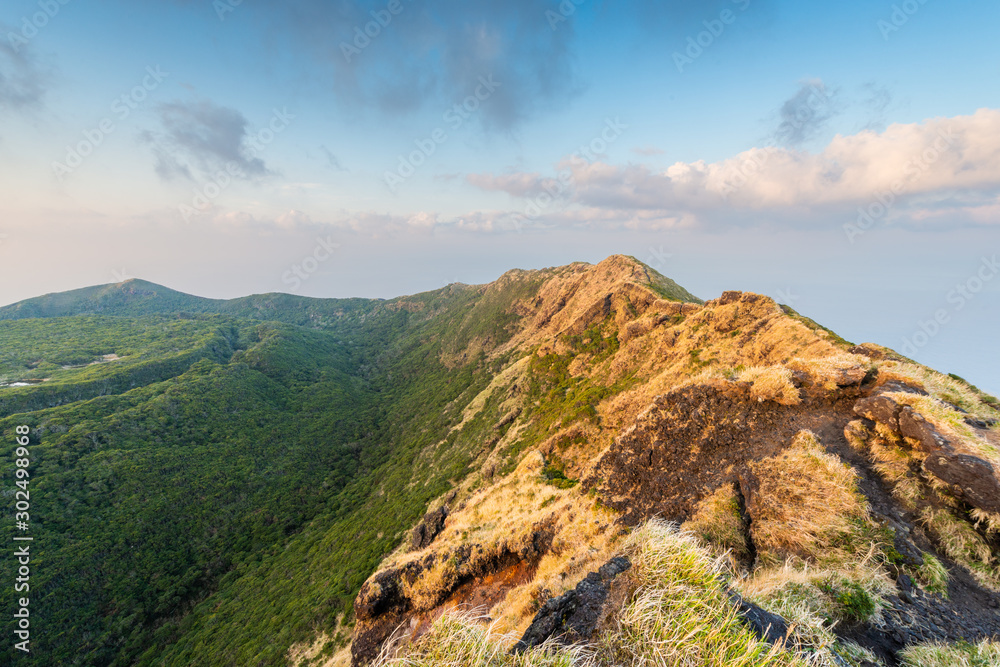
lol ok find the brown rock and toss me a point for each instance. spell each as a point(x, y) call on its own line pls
point(896, 385)
point(881, 409)
point(974, 478)
point(729, 296)
point(574, 615)
point(429, 528)
point(852, 375)
point(913, 425)
point(868, 350)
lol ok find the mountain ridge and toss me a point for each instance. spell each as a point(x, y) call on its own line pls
point(282, 450)
point(97, 299)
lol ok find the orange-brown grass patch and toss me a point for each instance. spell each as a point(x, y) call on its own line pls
point(773, 383)
point(807, 504)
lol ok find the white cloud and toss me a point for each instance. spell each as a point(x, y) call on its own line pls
point(922, 165)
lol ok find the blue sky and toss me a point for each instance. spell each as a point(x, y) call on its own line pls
point(257, 140)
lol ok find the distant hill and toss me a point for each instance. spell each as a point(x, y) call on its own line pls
point(135, 298)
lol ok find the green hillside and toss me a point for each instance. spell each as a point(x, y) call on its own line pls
point(204, 468)
point(137, 298)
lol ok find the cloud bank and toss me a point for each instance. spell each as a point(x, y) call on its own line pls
point(924, 169)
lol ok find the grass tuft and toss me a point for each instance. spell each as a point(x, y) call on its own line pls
point(983, 654)
point(463, 639)
point(808, 504)
point(933, 575)
point(772, 383)
point(718, 523)
point(680, 614)
point(963, 544)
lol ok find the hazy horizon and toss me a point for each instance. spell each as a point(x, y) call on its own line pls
point(844, 155)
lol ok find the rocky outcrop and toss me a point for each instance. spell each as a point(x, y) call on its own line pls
point(974, 478)
point(912, 425)
point(386, 604)
point(763, 624)
point(695, 439)
point(429, 528)
point(970, 477)
point(879, 409)
point(573, 616)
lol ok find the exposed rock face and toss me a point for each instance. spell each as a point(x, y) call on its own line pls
point(881, 409)
point(913, 425)
point(380, 607)
point(429, 528)
point(693, 440)
point(573, 616)
point(766, 626)
point(971, 478)
point(383, 604)
point(974, 477)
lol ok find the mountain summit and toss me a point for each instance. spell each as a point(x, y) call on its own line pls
point(577, 465)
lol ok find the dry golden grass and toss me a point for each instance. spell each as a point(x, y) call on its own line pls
point(772, 383)
point(808, 503)
point(815, 599)
point(984, 654)
point(730, 339)
point(711, 343)
point(857, 436)
point(717, 522)
point(504, 517)
point(463, 639)
point(987, 521)
point(426, 591)
point(680, 614)
point(896, 466)
point(938, 385)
